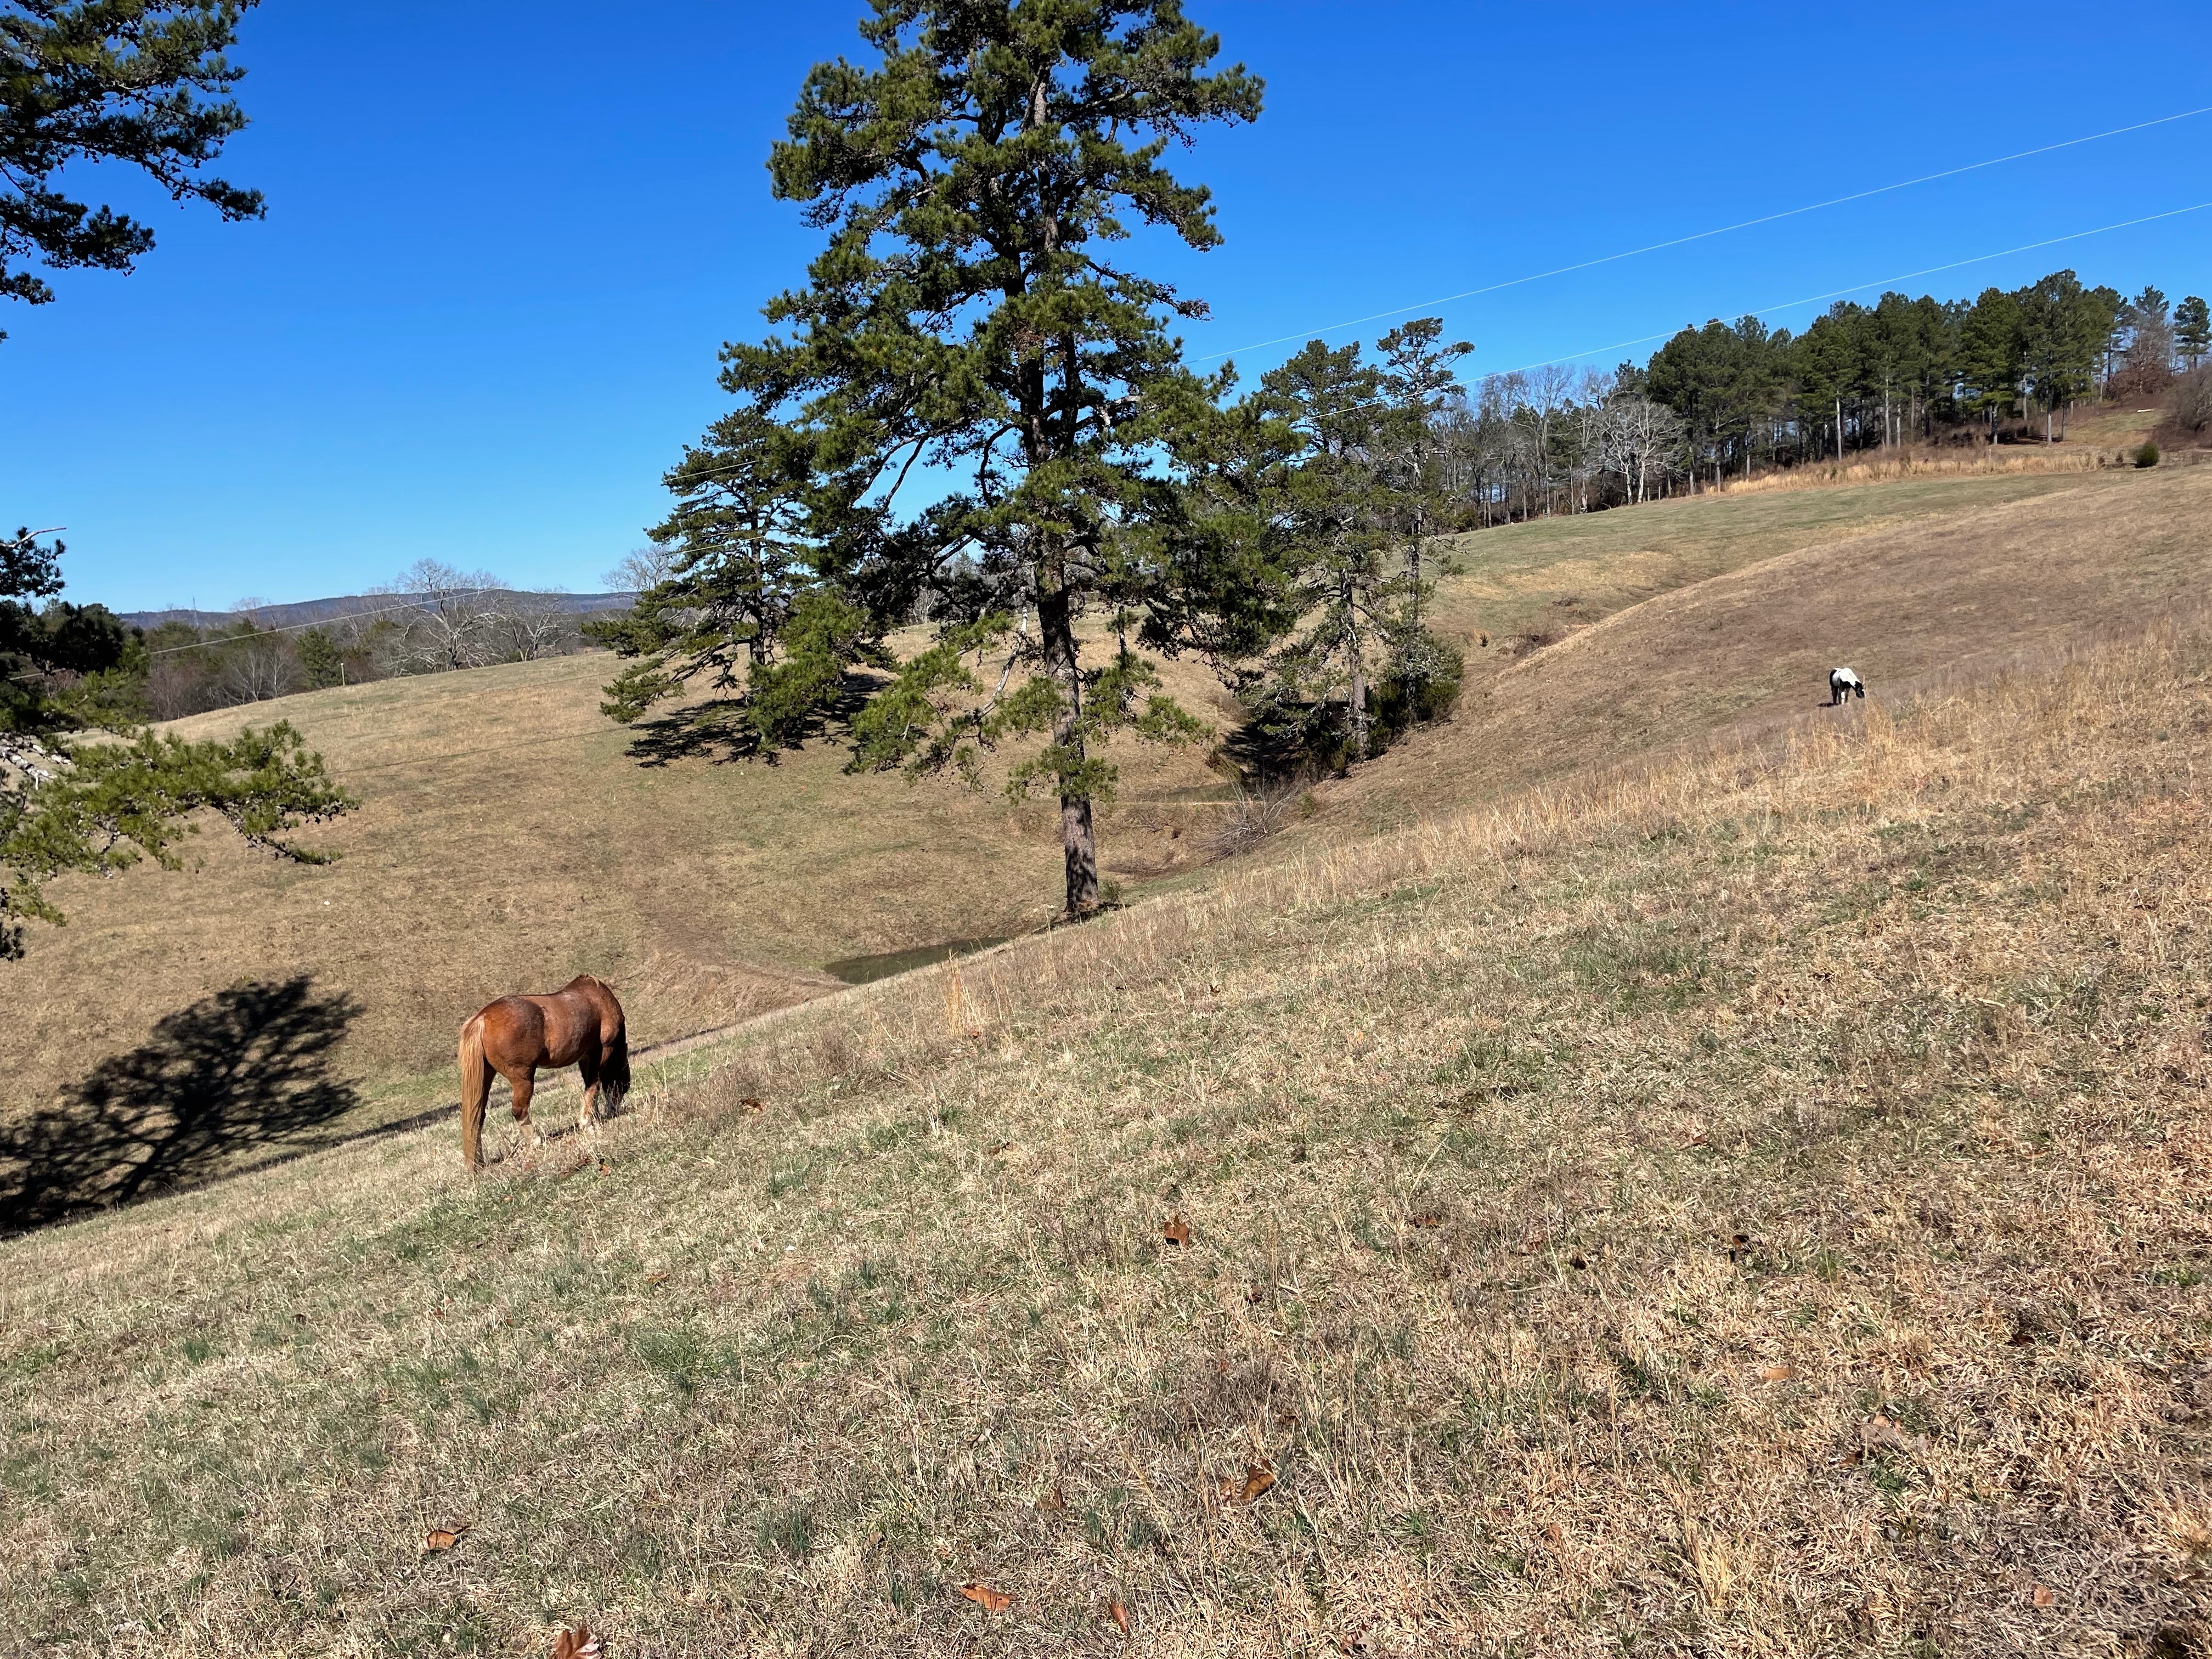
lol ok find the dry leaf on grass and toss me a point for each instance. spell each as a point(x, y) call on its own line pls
point(659, 1277)
point(1119, 1614)
point(997, 1147)
point(984, 1596)
point(1428, 1219)
point(1054, 1499)
point(1556, 1532)
point(753, 1103)
point(1779, 1373)
point(578, 1644)
point(2044, 1596)
point(444, 1538)
point(1176, 1231)
point(1258, 1477)
point(1879, 1433)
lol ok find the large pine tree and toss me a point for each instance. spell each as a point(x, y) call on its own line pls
point(972, 334)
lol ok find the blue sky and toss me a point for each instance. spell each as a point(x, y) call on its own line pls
point(504, 240)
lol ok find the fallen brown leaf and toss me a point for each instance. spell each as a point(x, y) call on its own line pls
point(996, 1147)
point(2044, 1596)
point(1055, 1499)
point(1428, 1219)
point(1258, 1477)
point(1119, 1614)
point(984, 1596)
point(578, 1644)
point(1176, 1231)
point(1779, 1373)
point(659, 1277)
point(752, 1104)
point(1555, 1532)
point(443, 1538)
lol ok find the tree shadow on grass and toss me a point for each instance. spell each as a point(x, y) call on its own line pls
point(246, 1070)
point(720, 730)
point(1282, 754)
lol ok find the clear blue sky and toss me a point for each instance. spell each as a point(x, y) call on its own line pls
point(504, 240)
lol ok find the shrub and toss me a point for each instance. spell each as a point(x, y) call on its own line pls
point(1422, 685)
point(2192, 400)
point(2148, 455)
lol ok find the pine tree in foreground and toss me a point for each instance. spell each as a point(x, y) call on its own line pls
point(967, 331)
point(67, 804)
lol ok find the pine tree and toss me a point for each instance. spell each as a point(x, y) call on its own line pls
point(1990, 347)
point(747, 604)
point(1419, 380)
point(70, 805)
point(320, 659)
point(2062, 324)
point(1828, 366)
point(967, 319)
point(140, 82)
point(1334, 505)
point(2192, 330)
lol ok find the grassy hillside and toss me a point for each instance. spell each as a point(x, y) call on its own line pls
point(506, 842)
point(1758, 1206)
point(1723, 614)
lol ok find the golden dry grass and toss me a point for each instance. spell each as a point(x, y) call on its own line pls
point(1757, 1206)
point(1752, 600)
point(505, 843)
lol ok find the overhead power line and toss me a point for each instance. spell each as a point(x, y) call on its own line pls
point(1722, 230)
point(1860, 288)
point(420, 603)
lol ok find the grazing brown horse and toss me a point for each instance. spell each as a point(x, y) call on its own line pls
point(580, 1024)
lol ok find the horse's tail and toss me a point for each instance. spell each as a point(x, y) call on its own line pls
point(476, 1089)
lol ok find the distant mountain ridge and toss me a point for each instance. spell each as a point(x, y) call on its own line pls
point(303, 612)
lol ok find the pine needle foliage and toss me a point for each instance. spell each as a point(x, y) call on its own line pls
point(101, 805)
point(140, 82)
point(968, 330)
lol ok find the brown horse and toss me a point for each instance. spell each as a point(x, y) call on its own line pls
point(580, 1024)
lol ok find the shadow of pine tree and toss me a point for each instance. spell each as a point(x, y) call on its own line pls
point(244, 1069)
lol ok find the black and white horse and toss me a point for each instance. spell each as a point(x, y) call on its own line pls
point(1844, 683)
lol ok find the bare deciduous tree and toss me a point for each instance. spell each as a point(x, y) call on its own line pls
point(641, 568)
point(528, 626)
point(449, 619)
point(1637, 439)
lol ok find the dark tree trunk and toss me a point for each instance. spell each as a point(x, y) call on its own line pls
point(1358, 709)
point(1078, 840)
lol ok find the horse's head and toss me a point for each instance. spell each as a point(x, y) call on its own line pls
point(614, 1072)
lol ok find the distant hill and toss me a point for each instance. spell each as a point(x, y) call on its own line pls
point(304, 611)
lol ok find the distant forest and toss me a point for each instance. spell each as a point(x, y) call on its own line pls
point(1725, 399)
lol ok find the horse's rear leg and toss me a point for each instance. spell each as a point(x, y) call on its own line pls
point(525, 1085)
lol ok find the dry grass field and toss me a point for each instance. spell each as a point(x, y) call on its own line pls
point(1753, 1206)
point(506, 842)
point(1725, 613)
